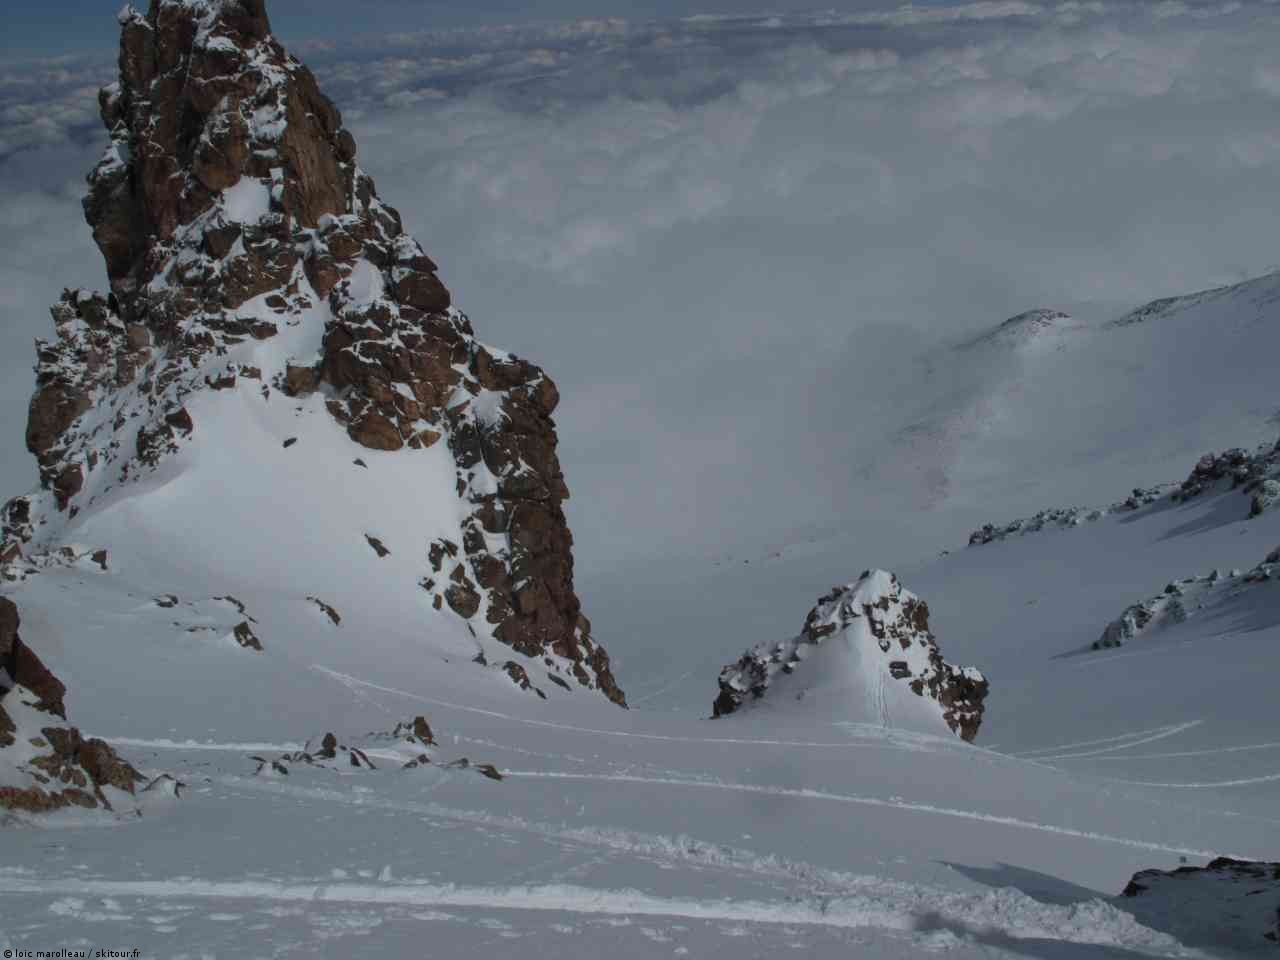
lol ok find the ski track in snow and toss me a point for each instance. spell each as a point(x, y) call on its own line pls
point(1163, 734)
point(1243, 782)
point(348, 681)
point(663, 689)
point(880, 802)
point(682, 850)
point(1091, 743)
point(1211, 752)
point(1015, 914)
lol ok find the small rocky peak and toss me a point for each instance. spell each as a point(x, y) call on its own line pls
point(873, 624)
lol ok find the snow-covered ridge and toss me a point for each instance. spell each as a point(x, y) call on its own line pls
point(1255, 475)
point(1027, 328)
point(1182, 599)
point(874, 660)
point(1259, 292)
point(1064, 517)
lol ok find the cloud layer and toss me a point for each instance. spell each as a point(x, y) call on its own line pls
point(730, 238)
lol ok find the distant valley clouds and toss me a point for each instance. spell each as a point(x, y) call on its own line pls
point(737, 242)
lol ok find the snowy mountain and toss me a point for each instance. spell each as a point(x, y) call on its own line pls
point(298, 556)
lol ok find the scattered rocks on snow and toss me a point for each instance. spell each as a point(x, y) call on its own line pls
point(408, 745)
point(325, 754)
point(876, 610)
point(19, 567)
point(378, 546)
point(1064, 517)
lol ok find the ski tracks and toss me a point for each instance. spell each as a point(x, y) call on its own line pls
point(1013, 914)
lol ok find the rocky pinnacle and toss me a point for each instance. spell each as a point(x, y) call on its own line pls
point(229, 206)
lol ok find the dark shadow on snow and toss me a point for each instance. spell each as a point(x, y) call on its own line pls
point(1036, 885)
point(1227, 508)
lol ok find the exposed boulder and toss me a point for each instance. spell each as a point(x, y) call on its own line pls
point(50, 766)
point(874, 659)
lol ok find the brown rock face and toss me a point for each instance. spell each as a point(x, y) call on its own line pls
point(230, 206)
point(75, 770)
point(24, 667)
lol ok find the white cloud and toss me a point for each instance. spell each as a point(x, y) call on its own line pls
point(726, 239)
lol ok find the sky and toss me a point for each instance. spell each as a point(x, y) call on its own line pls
point(734, 241)
point(44, 29)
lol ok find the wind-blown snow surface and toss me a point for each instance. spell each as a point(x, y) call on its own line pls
point(657, 832)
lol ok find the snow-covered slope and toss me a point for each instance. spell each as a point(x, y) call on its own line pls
point(273, 530)
point(653, 830)
point(1028, 415)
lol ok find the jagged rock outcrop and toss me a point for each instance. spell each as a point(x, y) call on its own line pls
point(1063, 517)
point(45, 763)
point(873, 641)
point(1182, 599)
point(229, 209)
point(1229, 904)
point(1255, 474)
